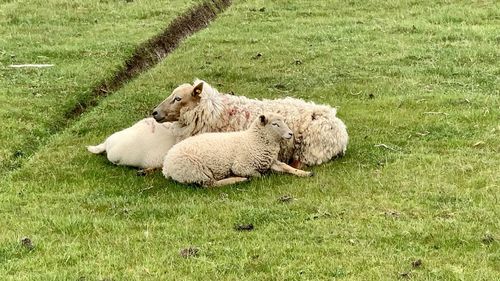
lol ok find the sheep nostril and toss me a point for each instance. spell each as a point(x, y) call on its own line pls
point(155, 113)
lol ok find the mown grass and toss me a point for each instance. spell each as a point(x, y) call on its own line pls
point(86, 41)
point(420, 77)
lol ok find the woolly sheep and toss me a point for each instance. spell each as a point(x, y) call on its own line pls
point(143, 145)
point(216, 159)
point(319, 135)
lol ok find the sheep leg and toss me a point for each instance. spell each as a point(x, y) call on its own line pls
point(231, 180)
point(285, 168)
point(147, 171)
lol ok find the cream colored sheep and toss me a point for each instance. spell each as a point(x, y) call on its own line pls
point(143, 145)
point(319, 135)
point(215, 159)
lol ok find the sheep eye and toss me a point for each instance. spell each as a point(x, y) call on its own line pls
point(177, 99)
point(275, 124)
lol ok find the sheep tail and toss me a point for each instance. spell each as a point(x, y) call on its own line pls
point(97, 149)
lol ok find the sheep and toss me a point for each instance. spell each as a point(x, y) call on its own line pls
point(319, 135)
point(216, 159)
point(144, 145)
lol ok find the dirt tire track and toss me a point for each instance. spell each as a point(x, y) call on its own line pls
point(153, 51)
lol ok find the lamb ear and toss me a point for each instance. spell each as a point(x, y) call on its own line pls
point(263, 120)
point(197, 90)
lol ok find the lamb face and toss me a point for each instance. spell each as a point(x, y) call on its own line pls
point(184, 97)
point(275, 125)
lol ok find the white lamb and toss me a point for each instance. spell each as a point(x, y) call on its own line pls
point(143, 145)
point(215, 159)
point(319, 135)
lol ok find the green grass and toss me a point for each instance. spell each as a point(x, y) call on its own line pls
point(366, 216)
point(86, 40)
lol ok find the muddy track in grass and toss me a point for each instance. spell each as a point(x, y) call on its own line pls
point(150, 53)
point(145, 56)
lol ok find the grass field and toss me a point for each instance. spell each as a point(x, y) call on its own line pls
point(416, 82)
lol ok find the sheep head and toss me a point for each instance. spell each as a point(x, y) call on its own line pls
point(275, 125)
point(184, 97)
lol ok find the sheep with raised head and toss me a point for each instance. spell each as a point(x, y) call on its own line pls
point(143, 145)
point(319, 135)
point(216, 159)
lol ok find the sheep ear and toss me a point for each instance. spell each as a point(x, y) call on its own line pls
point(197, 90)
point(263, 120)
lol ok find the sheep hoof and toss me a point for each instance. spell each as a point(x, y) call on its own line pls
point(311, 174)
point(146, 171)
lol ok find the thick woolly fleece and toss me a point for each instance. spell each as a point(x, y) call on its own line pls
point(206, 158)
point(319, 135)
point(143, 145)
